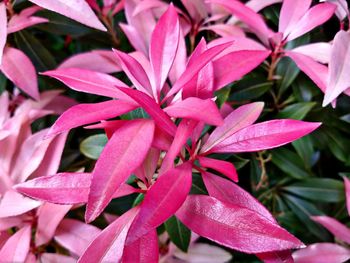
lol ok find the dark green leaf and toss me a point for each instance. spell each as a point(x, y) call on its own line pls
point(198, 186)
point(179, 234)
point(296, 111)
point(251, 92)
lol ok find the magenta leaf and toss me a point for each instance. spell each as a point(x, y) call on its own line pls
point(231, 193)
point(3, 29)
point(196, 109)
point(234, 226)
point(16, 247)
point(322, 252)
point(226, 168)
point(124, 152)
point(347, 193)
point(265, 135)
point(21, 74)
point(339, 230)
point(164, 44)
point(77, 10)
point(276, 257)
point(109, 244)
point(82, 114)
point(162, 200)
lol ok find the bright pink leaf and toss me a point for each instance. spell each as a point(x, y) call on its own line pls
point(147, 169)
point(347, 193)
point(110, 242)
point(89, 81)
point(234, 226)
point(144, 249)
point(77, 10)
point(13, 204)
point(82, 114)
point(339, 65)
point(276, 257)
point(75, 235)
point(49, 217)
point(322, 252)
point(235, 121)
point(314, 17)
point(164, 44)
point(3, 29)
point(265, 135)
point(338, 229)
point(196, 109)
point(124, 152)
point(226, 168)
point(16, 248)
point(162, 200)
point(231, 193)
point(21, 74)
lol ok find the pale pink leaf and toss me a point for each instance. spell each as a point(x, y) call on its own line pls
point(124, 152)
point(265, 135)
point(320, 52)
point(225, 30)
point(314, 17)
point(13, 204)
point(134, 37)
point(347, 193)
point(88, 81)
point(235, 121)
point(16, 247)
point(144, 249)
point(49, 217)
point(234, 226)
point(22, 21)
point(322, 252)
point(21, 74)
point(258, 5)
point(75, 235)
point(3, 29)
point(196, 109)
point(78, 10)
point(9, 222)
point(110, 242)
point(163, 47)
point(338, 229)
point(82, 114)
point(55, 258)
point(231, 193)
point(224, 167)
point(162, 200)
point(339, 66)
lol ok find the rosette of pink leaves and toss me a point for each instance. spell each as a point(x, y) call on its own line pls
point(328, 252)
point(229, 215)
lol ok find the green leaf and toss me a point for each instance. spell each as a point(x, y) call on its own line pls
point(318, 189)
point(250, 92)
point(305, 149)
point(92, 146)
point(289, 162)
point(3, 82)
point(138, 200)
point(288, 71)
point(179, 234)
point(296, 111)
point(39, 55)
point(138, 113)
point(198, 186)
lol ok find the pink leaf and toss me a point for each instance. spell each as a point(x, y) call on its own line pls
point(291, 13)
point(135, 72)
point(13, 204)
point(162, 120)
point(235, 65)
point(23, 75)
point(276, 257)
point(231, 193)
point(110, 242)
point(144, 249)
point(3, 29)
point(49, 217)
point(75, 235)
point(316, 71)
point(124, 152)
point(320, 52)
point(24, 20)
point(97, 60)
point(339, 66)
point(82, 114)
point(164, 44)
point(266, 135)
point(77, 10)
point(16, 247)
point(147, 169)
point(55, 258)
point(314, 17)
point(339, 230)
point(200, 252)
point(347, 193)
point(235, 121)
point(89, 81)
point(322, 252)
point(233, 226)
point(162, 200)
point(196, 109)
point(226, 168)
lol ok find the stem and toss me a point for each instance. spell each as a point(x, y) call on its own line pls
point(109, 24)
point(263, 177)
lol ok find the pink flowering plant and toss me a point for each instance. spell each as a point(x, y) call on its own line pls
point(190, 131)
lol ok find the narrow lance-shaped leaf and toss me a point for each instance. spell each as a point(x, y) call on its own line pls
point(234, 226)
point(78, 10)
point(178, 233)
point(347, 193)
point(124, 152)
point(17, 247)
point(224, 167)
point(3, 29)
point(339, 230)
